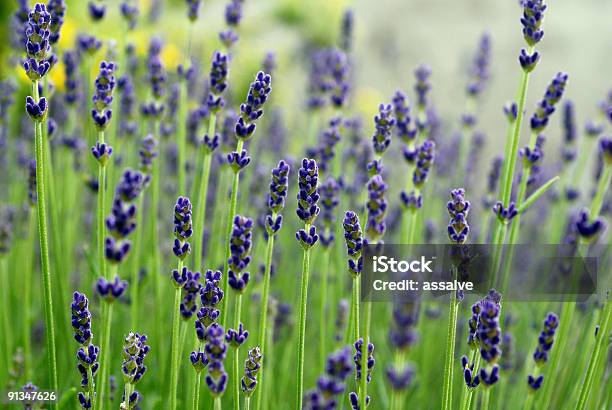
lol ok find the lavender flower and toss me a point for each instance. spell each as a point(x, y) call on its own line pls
point(326, 151)
point(57, 9)
point(533, 16)
point(38, 44)
point(210, 297)
point(87, 44)
point(240, 249)
point(148, 152)
point(384, 123)
point(353, 237)
point(127, 93)
point(103, 96)
point(546, 339)
point(308, 198)
point(252, 109)
point(331, 384)
point(605, 147)
point(233, 13)
point(479, 71)
point(359, 366)
point(545, 343)
point(493, 180)
point(276, 198)
point(269, 63)
point(72, 83)
point(377, 208)
point(568, 150)
point(96, 11)
point(130, 13)
point(488, 334)
point(347, 28)
point(329, 193)
point(458, 208)
point(546, 107)
point(401, 109)
point(341, 322)
point(182, 227)
point(110, 291)
point(135, 351)
point(193, 9)
point(252, 365)
point(589, 229)
point(218, 81)
point(190, 291)
point(216, 349)
point(422, 86)
point(87, 354)
point(32, 195)
point(424, 160)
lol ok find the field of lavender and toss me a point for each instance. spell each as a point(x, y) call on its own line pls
point(189, 190)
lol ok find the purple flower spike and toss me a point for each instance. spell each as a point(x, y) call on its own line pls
point(216, 349)
point(193, 9)
point(503, 214)
point(589, 229)
point(308, 196)
point(88, 44)
point(135, 351)
point(102, 152)
point(111, 290)
point(528, 61)
point(130, 13)
point(605, 145)
point(238, 161)
point(116, 251)
point(458, 208)
point(199, 361)
point(37, 110)
point(384, 123)
point(96, 11)
point(237, 337)
point(353, 237)
point(252, 109)
point(377, 208)
point(533, 16)
point(535, 383)
point(307, 238)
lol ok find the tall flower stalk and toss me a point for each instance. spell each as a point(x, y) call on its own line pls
point(277, 196)
point(133, 368)
point(540, 357)
point(250, 111)
point(593, 222)
point(215, 102)
point(353, 237)
point(183, 230)
point(307, 211)
point(238, 280)
point(458, 229)
point(87, 355)
point(101, 114)
point(533, 16)
point(36, 65)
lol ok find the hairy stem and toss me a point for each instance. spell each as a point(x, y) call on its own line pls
point(174, 364)
point(263, 325)
point(302, 325)
point(44, 248)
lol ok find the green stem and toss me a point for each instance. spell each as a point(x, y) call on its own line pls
point(236, 358)
point(182, 135)
point(510, 160)
point(468, 393)
point(176, 321)
point(135, 305)
point(217, 403)
point(44, 248)
point(27, 299)
point(90, 390)
point(263, 325)
point(6, 305)
point(228, 232)
point(447, 387)
point(196, 383)
point(602, 188)
point(200, 222)
point(247, 403)
point(602, 340)
point(101, 205)
point(323, 301)
point(302, 324)
point(355, 301)
point(486, 398)
point(105, 349)
point(363, 391)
